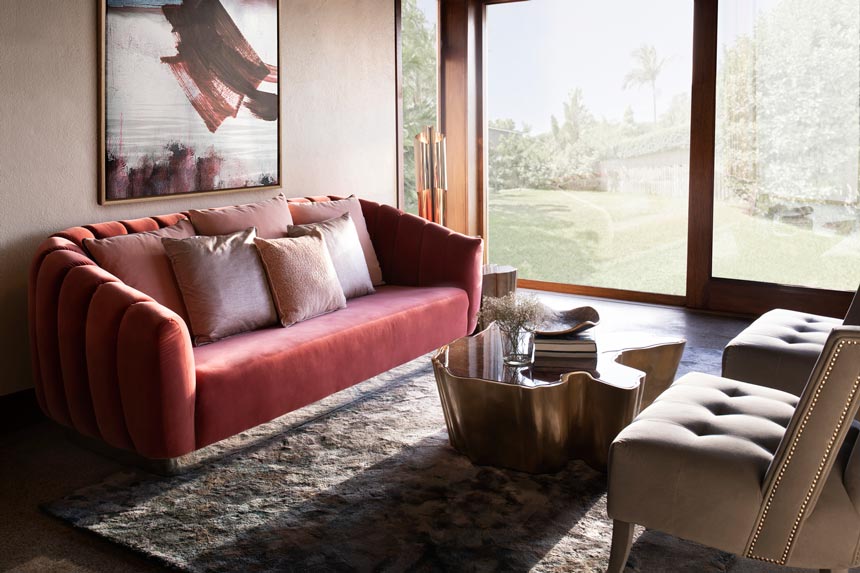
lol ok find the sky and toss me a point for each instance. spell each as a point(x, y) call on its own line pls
point(541, 50)
point(429, 8)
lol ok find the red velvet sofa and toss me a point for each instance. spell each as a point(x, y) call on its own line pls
point(117, 366)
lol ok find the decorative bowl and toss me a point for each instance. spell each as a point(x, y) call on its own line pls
point(570, 321)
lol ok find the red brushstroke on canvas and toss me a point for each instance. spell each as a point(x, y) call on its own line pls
point(272, 78)
point(217, 68)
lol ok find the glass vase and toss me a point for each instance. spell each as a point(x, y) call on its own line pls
point(518, 347)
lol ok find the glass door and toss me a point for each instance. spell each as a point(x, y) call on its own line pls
point(419, 57)
point(588, 141)
point(788, 143)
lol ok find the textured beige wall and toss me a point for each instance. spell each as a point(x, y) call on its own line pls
point(338, 129)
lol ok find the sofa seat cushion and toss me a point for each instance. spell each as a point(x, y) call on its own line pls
point(778, 350)
point(696, 458)
point(254, 377)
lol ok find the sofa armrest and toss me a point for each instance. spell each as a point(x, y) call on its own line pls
point(416, 252)
point(107, 359)
point(452, 259)
point(155, 367)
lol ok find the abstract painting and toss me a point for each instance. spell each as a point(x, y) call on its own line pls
point(189, 97)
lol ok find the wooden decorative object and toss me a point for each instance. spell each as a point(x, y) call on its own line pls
point(562, 322)
point(499, 280)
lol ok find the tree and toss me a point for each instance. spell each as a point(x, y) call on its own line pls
point(517, 159)
point(646, 73)
point(574, 158)
point(418, 38)
point(788, 108)
point(737, 124)
point(577, 119)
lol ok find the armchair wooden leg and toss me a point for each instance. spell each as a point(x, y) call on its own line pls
point(622, 539)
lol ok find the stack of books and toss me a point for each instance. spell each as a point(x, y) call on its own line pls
point(573, 346)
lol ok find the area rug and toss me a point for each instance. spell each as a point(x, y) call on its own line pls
point(366, 481)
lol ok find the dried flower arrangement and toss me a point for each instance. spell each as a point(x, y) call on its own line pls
point(513, 312)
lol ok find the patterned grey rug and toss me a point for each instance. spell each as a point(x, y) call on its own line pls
point(365, 480)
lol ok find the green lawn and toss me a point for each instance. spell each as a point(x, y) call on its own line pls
point(639, 242)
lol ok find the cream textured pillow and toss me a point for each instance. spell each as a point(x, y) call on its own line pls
point(343, 245)
point(301, 276)
point(139, 260)
point(304, 213)
point(222, 283)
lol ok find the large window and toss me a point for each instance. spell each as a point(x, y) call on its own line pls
point(589, 141)
point(418, 83)
point(788, 142)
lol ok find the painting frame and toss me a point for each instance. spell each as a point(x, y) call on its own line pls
point(102, 196)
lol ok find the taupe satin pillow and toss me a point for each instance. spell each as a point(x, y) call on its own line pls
point(341, 240)
point(223, 284)
point(304, 213)
point(302, 277)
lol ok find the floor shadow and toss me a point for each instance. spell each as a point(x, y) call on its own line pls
point(134, 486)
point(425, 509)
point(355, 488)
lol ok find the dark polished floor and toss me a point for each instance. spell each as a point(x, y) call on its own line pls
point(38, 464)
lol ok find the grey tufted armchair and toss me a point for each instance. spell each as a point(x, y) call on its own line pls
point(780, 348)
point(747, 469)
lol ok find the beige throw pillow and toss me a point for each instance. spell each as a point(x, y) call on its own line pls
point(301, 276)
point(223, 284)
point(343, 245)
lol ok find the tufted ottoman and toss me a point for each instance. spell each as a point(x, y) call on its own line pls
point(778, 350)
point(696, 458)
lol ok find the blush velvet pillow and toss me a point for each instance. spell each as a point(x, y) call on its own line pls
point(270, 218)
point(139, 261)
point(222, 283)
point(304, 213)
point(301, 276)
point(341, 240)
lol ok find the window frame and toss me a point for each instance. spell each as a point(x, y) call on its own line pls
point(462, 92)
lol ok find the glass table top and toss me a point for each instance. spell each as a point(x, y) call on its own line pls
point(480, 357)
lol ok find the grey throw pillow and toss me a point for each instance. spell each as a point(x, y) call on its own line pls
point(223, 284)
point(344, 247)
point(315, 212)
point(301, 276)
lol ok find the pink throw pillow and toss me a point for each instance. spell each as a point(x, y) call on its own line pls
point(223, 284)
point(139, 260)
point(304, 213)
point(271, 218)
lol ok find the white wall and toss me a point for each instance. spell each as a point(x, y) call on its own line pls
point(338, 129)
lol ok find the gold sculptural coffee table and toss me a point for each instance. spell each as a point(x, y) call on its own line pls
point(535, 419)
